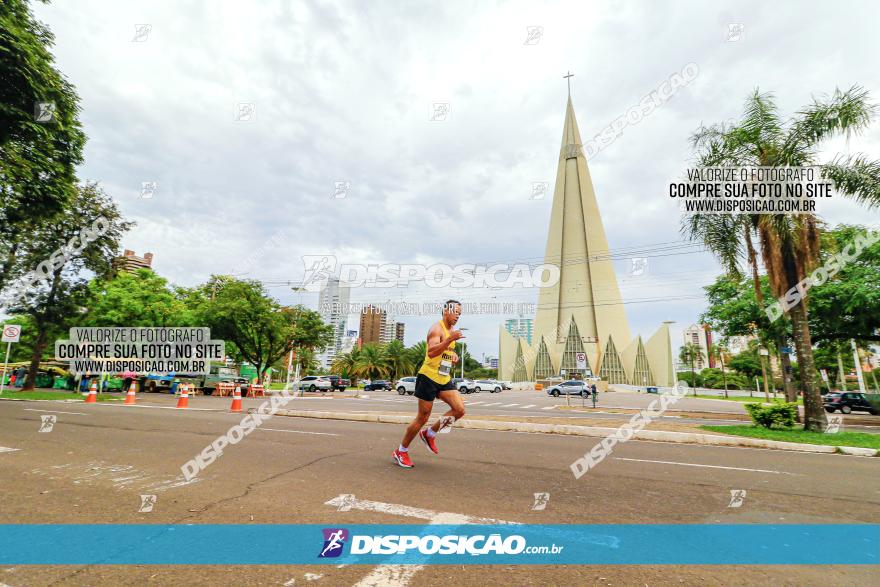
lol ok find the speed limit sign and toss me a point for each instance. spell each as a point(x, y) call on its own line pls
point(11, 333)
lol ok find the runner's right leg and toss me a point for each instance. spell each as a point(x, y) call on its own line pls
point(401, 454)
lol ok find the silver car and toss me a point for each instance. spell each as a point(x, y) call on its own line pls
point(571, 387)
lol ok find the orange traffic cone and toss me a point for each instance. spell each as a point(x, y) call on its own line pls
point(183, 401)
point(132, 391)
point(92, 398)
point(236, 400)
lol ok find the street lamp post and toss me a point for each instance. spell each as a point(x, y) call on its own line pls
point(463, 353)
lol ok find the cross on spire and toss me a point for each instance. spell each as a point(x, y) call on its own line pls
point(567, 78)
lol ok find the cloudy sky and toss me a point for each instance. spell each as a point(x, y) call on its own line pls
point(345, 92)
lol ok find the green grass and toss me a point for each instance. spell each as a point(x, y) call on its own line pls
point(746, 399)
point(860, 439)
point(54, 395)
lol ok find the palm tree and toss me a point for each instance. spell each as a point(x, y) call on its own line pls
point(719, 351)
point(344, 363)
point(788, 243)
point(372, 362)
point(417, 354)
point(398, 358)
point(689, 353)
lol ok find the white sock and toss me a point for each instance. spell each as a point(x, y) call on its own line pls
point(402, 448)
point(431, 433)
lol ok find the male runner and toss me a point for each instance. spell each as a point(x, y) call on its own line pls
point(432, 382)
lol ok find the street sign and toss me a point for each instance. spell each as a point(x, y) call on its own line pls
point(581, 360)
point(786, 350)
point(824, 374)
point(11, 333)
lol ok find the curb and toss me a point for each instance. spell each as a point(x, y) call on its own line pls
point(572, 430)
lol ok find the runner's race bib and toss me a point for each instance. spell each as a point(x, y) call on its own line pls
point(444, 368)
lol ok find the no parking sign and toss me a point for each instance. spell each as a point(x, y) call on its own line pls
point(11, 333)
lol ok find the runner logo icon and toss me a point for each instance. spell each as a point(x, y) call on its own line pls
point(334, 541)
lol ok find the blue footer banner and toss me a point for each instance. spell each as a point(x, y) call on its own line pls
point(524, 544)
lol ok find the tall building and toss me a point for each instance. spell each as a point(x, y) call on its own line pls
point(333, 307)
point(130, 262)
point(399, 328)
point(372, 327)
point(581, 327)
point(700, 335)
point(520, 328)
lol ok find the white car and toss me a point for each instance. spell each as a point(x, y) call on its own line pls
point(315, 383)
point(406, 385)
point(488, 385)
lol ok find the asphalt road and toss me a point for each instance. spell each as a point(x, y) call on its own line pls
point(99, 459)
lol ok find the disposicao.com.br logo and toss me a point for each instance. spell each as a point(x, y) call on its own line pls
point(319, 269)
point(449, 544)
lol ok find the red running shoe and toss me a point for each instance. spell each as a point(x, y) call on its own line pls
point(431, 443)
point(402, 459)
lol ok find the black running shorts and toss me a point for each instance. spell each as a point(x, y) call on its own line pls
point(427, 389)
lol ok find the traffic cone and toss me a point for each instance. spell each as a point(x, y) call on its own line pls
point(183, 401)
point(132, 391)
point(92, 398)
point(236, 400)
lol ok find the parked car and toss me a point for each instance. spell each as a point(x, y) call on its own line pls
point(463, 385)
point(848, 402)
point(406, 385)
point(377, 385)
point(315, 383)
point(488, 384)
point(337, 383)
point(570, 387)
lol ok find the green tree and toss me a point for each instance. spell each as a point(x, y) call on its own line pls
point(261, 330)
point(718, 352)
point(847, 305)
point(690, 353)
point(55, 303)
point(345, 364)
point(372, 362)
point(417, 354)
point(788, 243)
point(37, 157)
point(399, 362)
point(141, 298)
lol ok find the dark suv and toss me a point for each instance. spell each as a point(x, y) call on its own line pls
point(377, 384)
point(849, 401)
point(337, 383)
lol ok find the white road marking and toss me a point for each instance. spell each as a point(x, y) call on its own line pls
point(529, 406)
point(55, 412)
point(400, 575)
point(548, 408)
point(493, 404)
point(160, 407)
point(509, 405)
point(410, 512)
point(7, 449)
point(706, 466)
point(474, 403)
point(297, 431)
